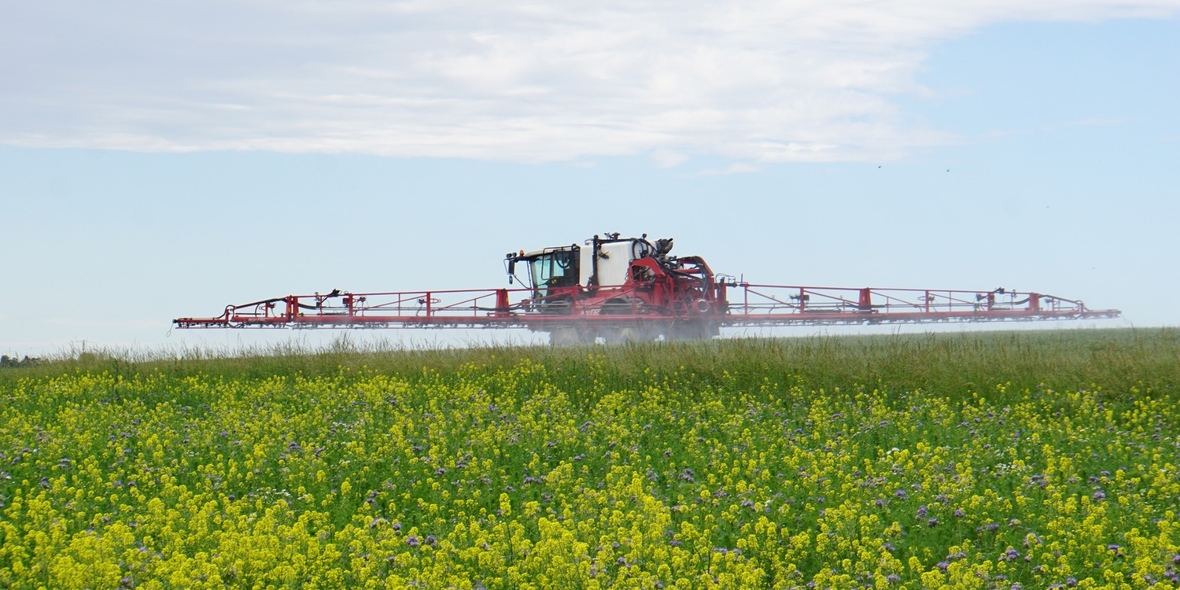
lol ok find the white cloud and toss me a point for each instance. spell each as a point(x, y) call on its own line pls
point(665, 158)
point(528, 81)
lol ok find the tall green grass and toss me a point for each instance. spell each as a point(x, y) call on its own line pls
point(1113, 360)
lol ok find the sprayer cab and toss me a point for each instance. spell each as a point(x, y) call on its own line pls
point(548, 270)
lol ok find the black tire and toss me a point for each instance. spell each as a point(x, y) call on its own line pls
point(566, 336)
point(630, 334)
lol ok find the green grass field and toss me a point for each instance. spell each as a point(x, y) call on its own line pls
point(989, 460)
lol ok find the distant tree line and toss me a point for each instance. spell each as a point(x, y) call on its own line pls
point(11, 362)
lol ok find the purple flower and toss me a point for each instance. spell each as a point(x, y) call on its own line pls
point(413, 541)
point(893, 578)
point(922, 511)
point(959, 513)
point(1099, 495)
point(1071, 581)
point(933, 522)
point(901, 494)
point(1113, 547)
point(879, 502)
point(942, 565)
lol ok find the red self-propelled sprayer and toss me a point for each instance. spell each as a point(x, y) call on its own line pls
point(633, 289)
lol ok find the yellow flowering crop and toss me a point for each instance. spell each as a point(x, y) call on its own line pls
point(522, 474)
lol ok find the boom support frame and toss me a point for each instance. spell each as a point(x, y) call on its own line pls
point(735, 304)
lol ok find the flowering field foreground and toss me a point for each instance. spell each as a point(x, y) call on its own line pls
point(578, 470)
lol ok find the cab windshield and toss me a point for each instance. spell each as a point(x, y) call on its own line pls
point(553, 269)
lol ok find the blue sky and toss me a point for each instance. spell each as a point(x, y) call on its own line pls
point(156, 168)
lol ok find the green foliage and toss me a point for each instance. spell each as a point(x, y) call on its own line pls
point(7, 362)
